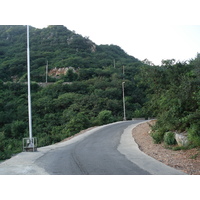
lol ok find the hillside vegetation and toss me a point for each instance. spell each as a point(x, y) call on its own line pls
point(93, 95)
point(90, 92)
point(173, 97)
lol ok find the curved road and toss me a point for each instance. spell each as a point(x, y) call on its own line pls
point(96, 154)
point(109, 150)
point(105, 150)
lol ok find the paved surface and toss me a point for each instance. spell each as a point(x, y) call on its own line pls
point(106, 150)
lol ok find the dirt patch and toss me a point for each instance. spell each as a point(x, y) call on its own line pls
point(187, 161)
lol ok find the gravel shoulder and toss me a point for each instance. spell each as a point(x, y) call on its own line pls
point(187, 161)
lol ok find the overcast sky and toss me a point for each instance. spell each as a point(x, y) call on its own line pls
point(152, 29)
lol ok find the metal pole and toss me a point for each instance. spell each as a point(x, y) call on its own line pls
point(29, 88)
point(124, 101)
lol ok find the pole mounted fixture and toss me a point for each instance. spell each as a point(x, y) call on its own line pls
point(47, 71)
point(114, 63)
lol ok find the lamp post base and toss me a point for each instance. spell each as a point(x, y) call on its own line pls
point(29, 145)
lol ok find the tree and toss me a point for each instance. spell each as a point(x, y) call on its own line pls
point(77, 123)
point(172, 96)
point(71, 76)
point(169, 62)
point(18, 129)
point(105, 117)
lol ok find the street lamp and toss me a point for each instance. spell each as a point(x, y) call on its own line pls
point(29, 144)
point(29, 86)
point(124, 101)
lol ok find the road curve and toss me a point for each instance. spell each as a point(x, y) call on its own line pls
point(105, 150)
point(96, 154)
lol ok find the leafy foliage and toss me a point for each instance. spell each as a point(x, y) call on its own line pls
point(173, 97)
point(105, 117)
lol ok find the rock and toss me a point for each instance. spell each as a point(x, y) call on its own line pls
point(57, 72)
point(181, 139)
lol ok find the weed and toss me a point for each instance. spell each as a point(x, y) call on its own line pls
point(194, 156)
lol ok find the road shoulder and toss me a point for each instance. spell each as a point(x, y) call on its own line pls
point(186, 160)
point(130, 149)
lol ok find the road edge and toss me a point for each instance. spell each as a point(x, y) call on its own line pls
point(130, 149)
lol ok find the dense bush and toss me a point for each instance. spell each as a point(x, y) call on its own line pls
point(157, 136)
point(169, 138)
point(105, 117)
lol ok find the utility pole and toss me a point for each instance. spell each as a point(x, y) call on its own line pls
point(46, 71)
point(114, 63)
point(124, 101)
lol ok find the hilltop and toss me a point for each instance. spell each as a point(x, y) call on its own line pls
point(56, 44)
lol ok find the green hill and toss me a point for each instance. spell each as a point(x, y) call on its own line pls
point(93, 95)
point(60, 46)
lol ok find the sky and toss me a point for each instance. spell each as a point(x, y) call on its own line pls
point(153, 30)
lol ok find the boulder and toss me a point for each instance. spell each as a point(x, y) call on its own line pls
point(181, 139)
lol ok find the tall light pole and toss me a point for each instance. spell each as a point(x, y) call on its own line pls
point(29, 88)
point(29, 144)
point(124, 101)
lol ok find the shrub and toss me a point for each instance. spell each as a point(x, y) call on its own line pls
point(77, 123)
point(169, 138)
point(194, 135)
point(18, 129)
point(157, 136)
point(105, 117)
point(8, 147)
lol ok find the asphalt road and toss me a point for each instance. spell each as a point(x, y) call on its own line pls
point(104, 150)
point(96, 154)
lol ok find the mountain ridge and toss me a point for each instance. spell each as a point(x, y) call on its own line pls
point(60, 46)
